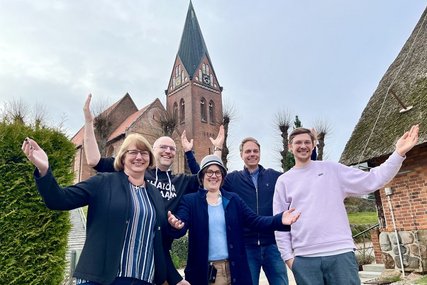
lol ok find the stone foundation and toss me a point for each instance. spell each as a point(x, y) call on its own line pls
point(412, 246)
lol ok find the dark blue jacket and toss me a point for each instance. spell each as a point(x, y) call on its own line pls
point(193, 211)
point(108, 198)
point(260, 199)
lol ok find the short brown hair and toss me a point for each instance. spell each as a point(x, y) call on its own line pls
point(300, 131)
point(248, 139)
point(141, 144)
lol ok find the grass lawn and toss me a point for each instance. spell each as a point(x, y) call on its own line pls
point(363, 218)
point(423, 280)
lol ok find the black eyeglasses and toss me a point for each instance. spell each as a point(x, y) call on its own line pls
point(210, 173)
point(135, 152)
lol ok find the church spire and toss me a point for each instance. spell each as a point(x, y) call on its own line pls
point(193, 96)
point(192, 47)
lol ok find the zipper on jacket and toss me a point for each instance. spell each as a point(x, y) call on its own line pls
point(257, 211)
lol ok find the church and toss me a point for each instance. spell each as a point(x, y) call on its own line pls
point(193, 104)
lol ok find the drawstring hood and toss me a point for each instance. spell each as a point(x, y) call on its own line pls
point(167, 174)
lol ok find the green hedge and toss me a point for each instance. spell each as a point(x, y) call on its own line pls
point(179, 252)
point(33, 238)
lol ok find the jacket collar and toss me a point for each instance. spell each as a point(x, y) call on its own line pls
point(260, 169)
point(202, 193)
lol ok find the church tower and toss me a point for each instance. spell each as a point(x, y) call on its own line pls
point(194, 94)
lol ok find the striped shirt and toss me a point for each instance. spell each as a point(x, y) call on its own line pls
point(137, 257)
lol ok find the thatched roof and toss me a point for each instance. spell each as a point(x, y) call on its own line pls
point(381, 123)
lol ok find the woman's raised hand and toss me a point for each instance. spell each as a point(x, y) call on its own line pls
point(36, 155)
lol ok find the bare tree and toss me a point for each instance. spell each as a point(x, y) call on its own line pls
point(40, 114)
point(322, 128)
point(168, 123)
point(103, 124)
point(229, 113)
point(15, 111)
point(283, 122)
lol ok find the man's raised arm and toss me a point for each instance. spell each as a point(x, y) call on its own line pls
point(90, 145)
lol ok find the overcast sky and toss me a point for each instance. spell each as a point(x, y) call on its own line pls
point(321, 60)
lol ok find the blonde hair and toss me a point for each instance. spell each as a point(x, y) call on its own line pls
point(140, 142)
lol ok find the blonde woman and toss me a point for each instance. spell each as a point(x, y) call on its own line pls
point(125, 217)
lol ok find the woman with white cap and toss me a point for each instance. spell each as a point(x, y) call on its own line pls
point(215, 220)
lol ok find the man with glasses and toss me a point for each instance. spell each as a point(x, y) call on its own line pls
point(171, 186)
point(320, 248)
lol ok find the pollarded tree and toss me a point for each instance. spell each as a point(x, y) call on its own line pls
point(323, 129)
point(228, 116)
point(283, 123)
point(102, 123)
point(168, 123)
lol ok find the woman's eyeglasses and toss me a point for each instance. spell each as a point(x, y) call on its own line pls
point(210, 173)
point(135, 152)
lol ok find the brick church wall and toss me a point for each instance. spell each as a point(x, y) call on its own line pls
point(123, 110)
point(82, 170)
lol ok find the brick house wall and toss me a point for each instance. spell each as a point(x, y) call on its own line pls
point(409, 205)
point(409, 199)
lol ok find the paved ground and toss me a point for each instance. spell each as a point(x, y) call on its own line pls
point(263, 279)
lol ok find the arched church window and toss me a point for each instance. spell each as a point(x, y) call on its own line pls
point(175, 111)
point(211, 112)
point(181, 111)
point(203, 113)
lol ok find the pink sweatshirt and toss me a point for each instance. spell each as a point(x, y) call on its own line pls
point(318, 191)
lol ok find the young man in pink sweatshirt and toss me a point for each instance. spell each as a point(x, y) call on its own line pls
point(320, 249)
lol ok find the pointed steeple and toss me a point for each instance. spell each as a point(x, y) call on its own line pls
point(193, 95)
point(192, 47)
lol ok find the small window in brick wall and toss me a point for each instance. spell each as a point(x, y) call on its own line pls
point(203, 113)
point(211, 112)
point(182, 111)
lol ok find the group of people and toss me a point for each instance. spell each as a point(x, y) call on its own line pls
point(136, 206)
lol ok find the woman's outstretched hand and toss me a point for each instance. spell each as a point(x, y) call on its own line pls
point(36, 155)
point(288, 218)
point(174, 221)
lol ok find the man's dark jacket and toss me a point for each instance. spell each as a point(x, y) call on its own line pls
point(259, 199)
